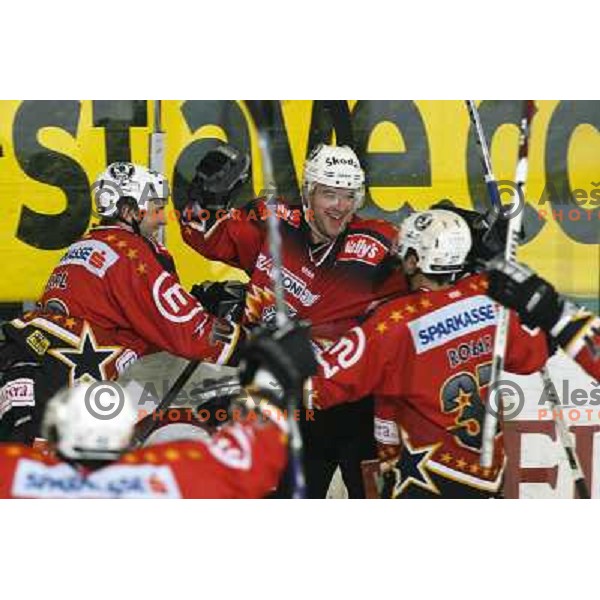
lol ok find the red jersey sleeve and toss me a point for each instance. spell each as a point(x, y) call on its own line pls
point(583, 345)
point(366, 359)
point(235, 239)
point(526, 350)
point(164, 314)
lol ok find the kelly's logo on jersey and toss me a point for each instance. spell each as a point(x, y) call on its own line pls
point(451, 322)
point(362, 248)
point(93, 255)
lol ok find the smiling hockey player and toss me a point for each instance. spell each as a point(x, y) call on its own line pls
point(426, 357)
point(114, 297)
point(336, 267)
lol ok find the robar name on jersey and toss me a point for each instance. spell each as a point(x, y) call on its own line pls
point(450, 322)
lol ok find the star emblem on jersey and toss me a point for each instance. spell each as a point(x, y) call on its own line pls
point(412, 467)
point(88, 359)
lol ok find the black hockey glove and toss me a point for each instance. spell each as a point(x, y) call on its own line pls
point(516, 286)
point(280, 359)
point(488, 232)
point(219, 174)
point(222, 298)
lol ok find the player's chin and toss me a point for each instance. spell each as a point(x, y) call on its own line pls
point(335, 226)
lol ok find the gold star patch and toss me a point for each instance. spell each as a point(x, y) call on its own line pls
point(461, 464)
point(474, 468)
point(411, 309)
point(130, 458)
point(382, 327)
point(194, 454)
point(14, 451)
point(425, 303)
point(172, 455)
point(150, 457)
point(142, 268)
point(122, 244)
point(111, 238)
point(446, 458)
point(132, 253)
point(396, 316)
point(484, 284)
point(70, 323)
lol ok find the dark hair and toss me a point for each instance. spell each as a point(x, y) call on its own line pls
point(122, 204)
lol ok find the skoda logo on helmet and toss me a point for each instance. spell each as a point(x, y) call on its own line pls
point(332, 161)
point(422, 222)
point(122, 171)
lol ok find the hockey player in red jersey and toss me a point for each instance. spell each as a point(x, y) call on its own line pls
point(91, 456)
point(575, 329)
point(336, 267)
point(114, 296)
point(426, 357)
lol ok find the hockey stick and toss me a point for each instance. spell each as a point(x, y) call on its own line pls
point(156, 160)
point(263, 116)
point(500, 339)
point(490, 424)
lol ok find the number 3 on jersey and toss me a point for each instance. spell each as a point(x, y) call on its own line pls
point(461, 396)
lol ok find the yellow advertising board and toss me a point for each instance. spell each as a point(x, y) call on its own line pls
point(415, 153)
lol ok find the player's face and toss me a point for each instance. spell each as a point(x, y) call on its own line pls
point(332, 209)
point(153, 218)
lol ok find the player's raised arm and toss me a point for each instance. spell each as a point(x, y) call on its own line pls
point(209, 224)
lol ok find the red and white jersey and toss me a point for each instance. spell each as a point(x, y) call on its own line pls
point(243, 460)
point(114, 297)
point(584, 345)
point(333, 285)
point(426, 358)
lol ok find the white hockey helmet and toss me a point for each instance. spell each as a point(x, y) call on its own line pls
point(440, 238)
point(90, 421)
point(334, 166)
point(127, 180)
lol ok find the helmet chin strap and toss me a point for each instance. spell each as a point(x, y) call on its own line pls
point(134, 224)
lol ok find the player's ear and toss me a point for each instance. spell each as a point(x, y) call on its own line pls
point(410, 263)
